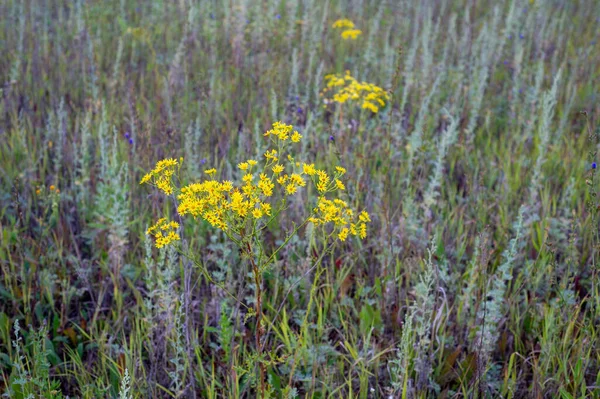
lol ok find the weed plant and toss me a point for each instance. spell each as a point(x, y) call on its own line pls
point(434, 232)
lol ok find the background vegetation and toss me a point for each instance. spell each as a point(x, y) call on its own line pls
point(479, 277)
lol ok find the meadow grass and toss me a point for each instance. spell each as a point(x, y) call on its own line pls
point(479, 274)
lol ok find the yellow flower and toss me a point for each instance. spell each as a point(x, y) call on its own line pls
point(343, 23)
point(370, 106)
point(257, 213)
point(343, 234)
point(340, 170)
point(271, 155)
point(164, 184)
point(162, 240)
point(297, 180)
point(351, 34)
point(309, 169)
point(266, 208)
point(362, 231)
point(280, 130)
point(146, 178)
point(169, 235)
point(247, 178)
point(266, 185)
point(364, 217)
point(291, 189)
point(323, 181)
point(314, 220)
point(347, 88)
point(164, 164)
point(228, 206)
point(226, 185)
point(282, 179)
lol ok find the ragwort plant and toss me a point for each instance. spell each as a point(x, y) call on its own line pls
point(244, 210)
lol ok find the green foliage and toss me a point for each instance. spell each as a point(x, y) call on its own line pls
point(479, 274)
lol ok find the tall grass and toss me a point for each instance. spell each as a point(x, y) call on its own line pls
point(479, 276)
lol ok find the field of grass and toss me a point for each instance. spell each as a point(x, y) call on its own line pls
point(479, 274)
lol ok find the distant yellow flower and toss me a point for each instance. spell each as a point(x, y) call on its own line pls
point(277, 169)
point(343, 23)
point(351, 34)
point(211, 171)
point(347, 89)
point(243, 165)
point(296, 137)
point(371, 107)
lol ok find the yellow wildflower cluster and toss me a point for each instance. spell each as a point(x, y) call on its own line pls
point(164, 232)
point(343, 218)
point(162, 174)
point(260, 192)
point(343, 24)
point(351, 34)
point(336, 211)
point(283, 132)
point(349, 31)
point(349, 89)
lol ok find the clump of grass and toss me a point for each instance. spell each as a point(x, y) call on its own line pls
point(485, 114)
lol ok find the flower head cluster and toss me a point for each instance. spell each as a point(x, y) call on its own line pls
point(283, 132)
point(347, 88)
point(260, 193)
point(162, 174)
point(338, 213)
point(164, 232)
point(349, 31)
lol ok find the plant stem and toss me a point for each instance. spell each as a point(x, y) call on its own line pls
point(258, 334)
